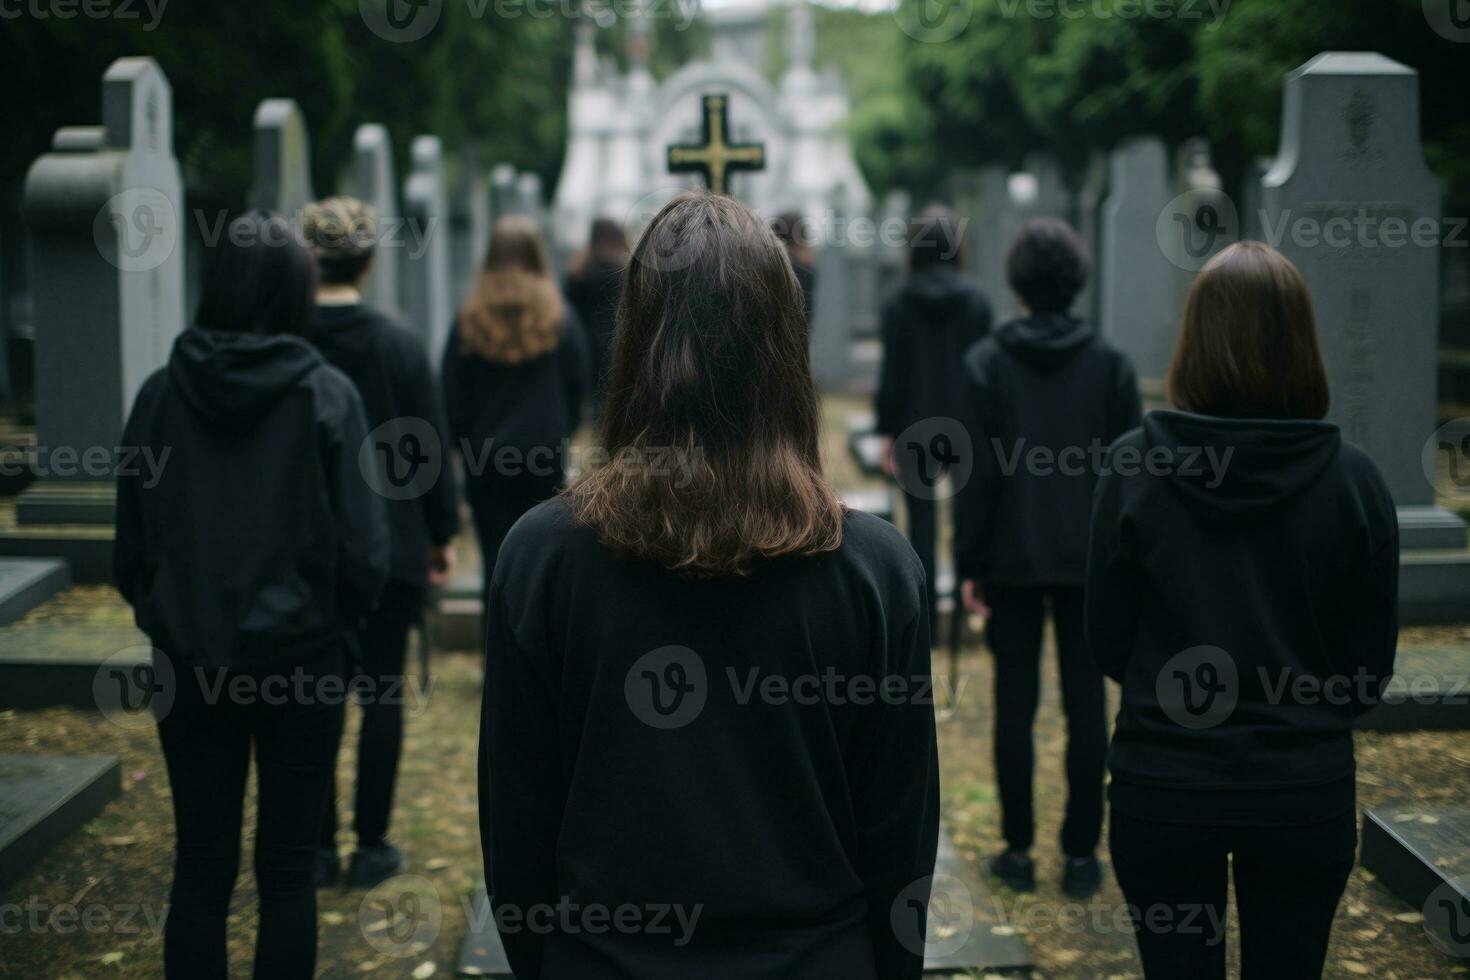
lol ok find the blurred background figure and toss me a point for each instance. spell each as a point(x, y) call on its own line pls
point(515, 372)
point(592, 289)
point(791, 233)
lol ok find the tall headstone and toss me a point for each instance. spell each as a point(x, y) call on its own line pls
point(831, 334)
point(989, 236)
point(103, 214)
point(428, 305)
point(470, 223)
point(893, 230)
point(1090, 197)
point(1136, 295)
point(282, 158)
point(1052, 199)
point(370, 179)
point(1202, 219)
point(1352, 203)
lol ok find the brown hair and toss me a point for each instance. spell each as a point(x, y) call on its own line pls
point(516, 310)
point(712, 420)
point(1248, 345)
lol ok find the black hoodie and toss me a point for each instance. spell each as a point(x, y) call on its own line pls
point(1243, 588)
point(390, 368)
point(926, 326)
point(1041, 399)
point(260, 539)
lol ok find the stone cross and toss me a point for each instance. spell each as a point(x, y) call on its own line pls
point(282, 159)
point(715, 157)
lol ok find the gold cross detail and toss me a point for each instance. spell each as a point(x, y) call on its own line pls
point(716, 157)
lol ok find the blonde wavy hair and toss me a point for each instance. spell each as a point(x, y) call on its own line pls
point(516, 311)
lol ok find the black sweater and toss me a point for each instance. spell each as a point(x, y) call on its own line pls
point(390, 368)
point(796, 827)
point(261, 541)
point(1243, 588)
point(1041, 399)
point(926, 326)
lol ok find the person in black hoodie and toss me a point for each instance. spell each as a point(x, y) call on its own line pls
point(390, 368)
point(592, 289)
point(515, 373)
point(1041, 398)
point(1242, 587)
point(684, 659)
point(247, 562)
point(926, 327)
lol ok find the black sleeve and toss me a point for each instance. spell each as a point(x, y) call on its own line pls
point(897, 800)
point(1372, 609)
point(1114, 582)
point(521, 796)
point(129, 549)
point(419, 399)
point(575, 364)
point(360, 514)
point(893, 374)
point(974, 499)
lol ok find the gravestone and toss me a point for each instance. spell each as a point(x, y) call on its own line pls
point(370, 179)
point(1051, 198)
point(103, 215)
point(427, 303)
point(893, 231)
point(1135, 288)
point(1090, 197)
point(46, 798)
point(282, 159)
point(1352, 203)
point(470, 224)
point(989, 237)
point(1202, 218)
point(1250, 197)
point(503, 191)
point(831, 334)
point(27, 582)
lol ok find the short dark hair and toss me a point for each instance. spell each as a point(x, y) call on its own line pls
point(935, 239)
point(1047, 265)
point(1248, 344)
point(258, 278)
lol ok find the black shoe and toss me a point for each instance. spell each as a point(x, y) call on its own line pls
point(1015, 869)
point(328, 867)
point(1081, 877)
point(371, 865)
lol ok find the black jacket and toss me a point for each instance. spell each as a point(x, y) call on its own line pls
point(261, 540)
point(390, 368)
point(509, 420)
point(1243, 588)
point(593, 293)
point(926, 326)
point(1041, 399)
point(802, 827)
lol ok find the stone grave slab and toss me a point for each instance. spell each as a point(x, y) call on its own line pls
point(482, 954)
point(45, 665)
point(1422, 855)
point(1430, 691)
point(27, 582)
point(44, 798)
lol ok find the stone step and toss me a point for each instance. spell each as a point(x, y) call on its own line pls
point(1430, 691)
point(46, 798)
point(1422, 855)
point(967, 931)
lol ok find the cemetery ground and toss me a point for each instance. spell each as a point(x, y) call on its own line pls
point(120, 862)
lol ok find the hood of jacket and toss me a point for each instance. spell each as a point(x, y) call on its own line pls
point(1044, 341)
point(233, 379)
point(1240, 469)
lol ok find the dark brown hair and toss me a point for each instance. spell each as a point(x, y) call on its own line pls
point(515, 312)
point(935, 239)
point(712, 420)
point(1248, 345)
point(1047, 266)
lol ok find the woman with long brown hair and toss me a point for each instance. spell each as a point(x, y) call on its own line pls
point(1242, 587)
point(514, 375)
point(707, 713)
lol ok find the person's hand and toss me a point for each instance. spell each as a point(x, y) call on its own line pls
point(890, 465)
point(441, 564)
point(972, 595)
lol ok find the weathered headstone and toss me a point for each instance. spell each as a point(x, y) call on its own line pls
point(46, 798)
point(1090, 197)
point(989, 237)
point(831, 334)
point(282, 158)
point(893, 232)
point(370, 179)
point(1352, 203)
point(1136, 305)
point(1250, 197)
point(470, 223)
point(103, 214)
point(427, 302)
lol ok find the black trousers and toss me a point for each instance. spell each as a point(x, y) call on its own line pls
point(1288, 881)
point(1015, 633)
point(923, 529)
point(382, 680)
point(207, 742)
point(496, 507)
